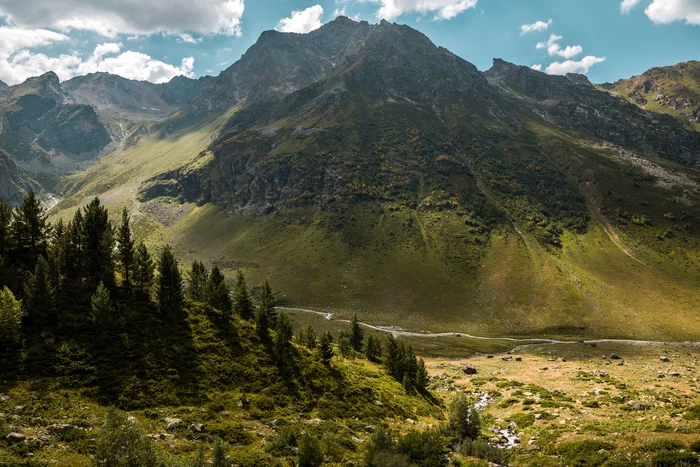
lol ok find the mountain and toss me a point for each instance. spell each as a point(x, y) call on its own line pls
point(372, 171)
point(2, 85)
point(42, 132)
point(14, 183)
point(673, 90)
point(117, 97)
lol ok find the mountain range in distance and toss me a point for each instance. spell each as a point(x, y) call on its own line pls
point(371, 171)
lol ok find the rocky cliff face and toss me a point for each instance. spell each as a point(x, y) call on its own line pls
point(2, 85)
point(43, 132)
point(117, 97)
point(674, 90)
point(14, 183)
point(565, 102)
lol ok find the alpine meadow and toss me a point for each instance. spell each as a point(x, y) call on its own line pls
point(350, 247)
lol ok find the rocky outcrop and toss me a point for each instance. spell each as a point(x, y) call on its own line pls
point(2, 85)
point(14, 183)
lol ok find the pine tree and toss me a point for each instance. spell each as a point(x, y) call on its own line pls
point(40, 295)
point(143, 270)
point(373, 349)
point(241, 299)
point(422, 378)
point(357, 335)
point(98, 241)
point(392, 357)
point(30, 229)
point(410, 368)
point(310, 340)
point(262, 323)
point(5, 229)
point(101, 306)
point(344, 344)
point(126, 249)
point(325, 347)
point(464, 419)
point(169, 285)
point(197, 281)
point(283, 337)
point(222, 299)
point(267, 301)
point(74, 247)
point(212, 285)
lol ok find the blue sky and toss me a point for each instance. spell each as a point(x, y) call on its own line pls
point(157, 39)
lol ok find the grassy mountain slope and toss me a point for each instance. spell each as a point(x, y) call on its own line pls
point(674, 90)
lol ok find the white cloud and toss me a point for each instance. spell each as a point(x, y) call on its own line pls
point(18, 62)
point(535, 27)
point(628, 5)
point(302, 21)
point(185, 38)
point(442, 9)
point(553, 48)
point(669, 11)
point(570, 66)
point(110, 18)
point(537, 67)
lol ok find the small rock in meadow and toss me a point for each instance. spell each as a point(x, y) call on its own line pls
point(664, 359)
point(469, 370)
point(15, 438)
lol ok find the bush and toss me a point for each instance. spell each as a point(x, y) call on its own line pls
point(426, 449)
point(589, 452)
point(663, 445)
point(693, 413)
point(464, 419)
point(695, 446)
point(10, 322)
point(522, 419)
point(232, 433)
point(674, 459)
point(310, 452)
point(121, 443)
point(481, 449)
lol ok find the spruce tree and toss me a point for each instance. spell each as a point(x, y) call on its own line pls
point(30, 229)
point(5, 229)
point(98, 244)
point(101, 308)
point(74, 247)
point(212, 285)
point(373, 349)
point(357, 335)
point(262, 323)
point(392, 358)
point(325, 348)
point(310, 340)
point(169, 285)
point(126, 249)
point(40, 295)
point(10, 323)
point(242, 304)
point(267, 301)
point(222, 299)
point(197, 281)
point(143, 270)
point(283, 337)
point(422, 377)
point(464, 419)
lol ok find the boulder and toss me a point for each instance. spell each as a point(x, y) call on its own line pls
point(664, 359)
point(15, 438)
point(614, 356)
point(469, 370)
point(61, 429)
point(634, 405)
point(197, 428)
point(172, 423)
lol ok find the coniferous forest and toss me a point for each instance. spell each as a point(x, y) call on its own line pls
point(85, 308)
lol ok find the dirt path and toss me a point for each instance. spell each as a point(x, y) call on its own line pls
point(524, 342)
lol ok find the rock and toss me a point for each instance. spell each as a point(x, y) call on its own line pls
point(4, 397)
point(489, 356)
point(621, 363)
point(634, 405)
point(681, 429)
point(275, 422)
point(172, 423)
point(357, 440)
point(197, 428)
point(512, 426)
point(506, 358)
point(544, 368)
point(614, 356)
point(675, 374)
point(664, 359)
point(61, 429)
point(378, 404)
point(538, 416)
point(314, 421)
point(561, 359)
point(15, 438)
point(469, 370)
point(494, 440)
point(518, 359)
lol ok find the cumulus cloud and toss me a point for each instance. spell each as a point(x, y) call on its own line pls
point(442, 9)
point(537, 26)
point(628, 5)
point(553, 48)
point(537, 67)
point(669, 11)
point(302, 21)
point(570, 66)
point(110, 18)
point(18, 62)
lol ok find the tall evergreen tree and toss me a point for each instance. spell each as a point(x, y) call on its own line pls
point(40, 295)
point(325, 348)
point(197, 281)
point(10, 323)
point(222, 299)
point(310, 340)
point(242, 304)
point(74, 247)
point(143, 270)
point(283, 337)
point(98, 240)
point(373, 349)
point(392, 357)
point(126, 249)
point(169, 285)
point(30, 229)
point(267, 302)
point(357, 335)
point(5, 228)
point(262, 323)
point(422, 378)
point(212, 285)
point(464, 419)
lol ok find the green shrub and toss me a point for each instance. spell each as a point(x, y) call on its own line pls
point(674, 459)
point(426, 449)
point(695, 446)
point(663, 445)
point(588, 452)
point(481, 449)
point(693, 412)
point(232, 433)
point(310, 452)
point(464, 419)
point(522, 419)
